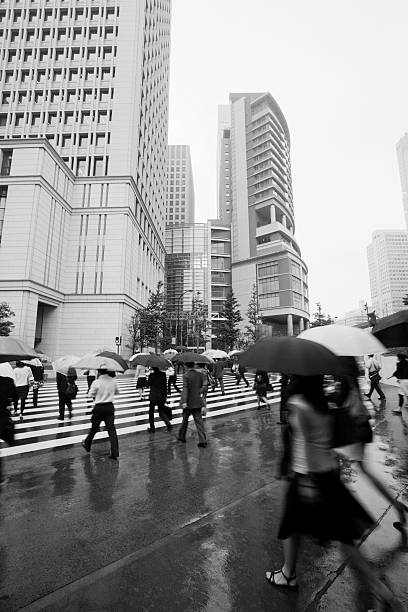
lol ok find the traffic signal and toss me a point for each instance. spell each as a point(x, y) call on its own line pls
point(372, 319)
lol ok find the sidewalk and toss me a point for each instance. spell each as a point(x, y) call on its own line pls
point(177, 528)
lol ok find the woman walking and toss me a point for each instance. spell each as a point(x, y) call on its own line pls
point(317, 503)
point(261, 385)
point(401, 374)
point(141, 380)
point(23, 379)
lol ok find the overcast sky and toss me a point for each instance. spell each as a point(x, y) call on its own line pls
point(339, 71)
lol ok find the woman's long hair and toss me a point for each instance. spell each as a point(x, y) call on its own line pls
point(311, 387)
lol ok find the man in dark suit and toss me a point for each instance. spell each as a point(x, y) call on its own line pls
point(192, 403)
point(158, 391)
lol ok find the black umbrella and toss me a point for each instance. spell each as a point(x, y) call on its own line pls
point(12, 349)
point(151, 361)
point(191, 357)
point(290, 355)
point(393, 330)
point(116, 357)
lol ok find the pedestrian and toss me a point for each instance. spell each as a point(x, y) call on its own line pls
point(67, 391)
point(38, 375)
point(374, 368)
point(284, 395)
point(317, 503)
point(157, 397)
point(90, 377)
point(202, 369)
point(103, 390)
point(141, 380)
point(241, 375)
point(349, 398)
point(401, 374)
point(23, 379)
point(218, 373)
point(172, 380)
point(192, 403)
point(8, 395)
point(261, 385)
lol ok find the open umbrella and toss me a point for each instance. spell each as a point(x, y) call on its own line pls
point(181, 347)
point(235, 353)
point(216, 354)
point(393, 330)
point(133, 357)
point(62, 364)
point(151, 361)
point(191, 357)
point(290, 355)
point(12, 349)
point(98, 362)
point(6, 371)
point(344, 340)
point(116, 358)
point(33, 362)
point(169, 353)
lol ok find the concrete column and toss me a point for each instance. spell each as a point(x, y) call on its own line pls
point(289, 322)
point(273, 213)
point(301, 324)
point(307, 324)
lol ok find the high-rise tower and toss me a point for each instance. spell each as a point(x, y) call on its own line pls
point(180, 186)
point(255, 188)
point(83, 129)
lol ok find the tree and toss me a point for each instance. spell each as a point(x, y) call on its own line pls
point(136, 331)
point(253, 316)
point(154, 318)
point(229, 330)
point(5, 324)
point(199, 320)
point(320, 318)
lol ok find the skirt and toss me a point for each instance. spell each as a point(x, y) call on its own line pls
point(322, 507)
point(141, 382)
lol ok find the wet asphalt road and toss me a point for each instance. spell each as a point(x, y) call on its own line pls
point(174, 527)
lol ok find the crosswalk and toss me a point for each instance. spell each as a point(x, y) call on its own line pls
point(41, 430)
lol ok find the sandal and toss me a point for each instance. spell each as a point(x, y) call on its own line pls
point(290, 583)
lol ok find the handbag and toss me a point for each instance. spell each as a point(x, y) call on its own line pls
point(6, 426)
point(351, 422)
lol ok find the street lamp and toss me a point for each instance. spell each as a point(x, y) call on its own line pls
point(178, 313)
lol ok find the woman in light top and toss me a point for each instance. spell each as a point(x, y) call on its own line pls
point(141, 374)
point(23, 379)
point(317, 503)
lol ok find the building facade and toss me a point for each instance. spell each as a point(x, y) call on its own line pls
point(255, 189)
point(180, 186)
point(357, 316)
point(83, 140)
point(388, 270)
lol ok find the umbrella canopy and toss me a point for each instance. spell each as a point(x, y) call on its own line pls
point(62, 364)
point(99, 363)
point(234, 353)
point(43, 357)
point(151, 361)
point(12, 349)
point(6, 371)
point(115, 357)
point(393, 330)
point(33, 362)
point(290, 355)
point(216, 354)
point(181, 347)
point(344, 340)
point(191, 357)
point(133, 357)
point(169, 353)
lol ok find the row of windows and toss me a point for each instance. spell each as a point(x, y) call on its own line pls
point(63, 15)
point(74, 75)
point(74, 54)
point(3, 199)
point(64, 35)
point(55, 96)
point(67, 118)
point(88, 166)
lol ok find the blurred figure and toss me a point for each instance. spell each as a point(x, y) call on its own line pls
point(261, 387)
point(239, 371)
point(66, 391)
point(103, 390)
point(8, 395)
point(202, 369)
point(317, 503)
point(218, 375)
point(38, 375)
point(172, 380)
point(23, 379)
point(90, 377)
point(141, 380)
point(401, 374)
point(284, 396)
point(192, 402)
point(157, 397)
point(374, 369)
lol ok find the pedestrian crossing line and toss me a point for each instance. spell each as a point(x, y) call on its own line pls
point(68, 441)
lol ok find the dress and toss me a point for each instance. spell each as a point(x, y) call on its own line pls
point(317, 503)
point(141, 375)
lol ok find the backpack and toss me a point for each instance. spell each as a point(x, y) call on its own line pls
point(71, 390)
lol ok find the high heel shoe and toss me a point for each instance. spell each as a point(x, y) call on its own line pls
point(402, 523)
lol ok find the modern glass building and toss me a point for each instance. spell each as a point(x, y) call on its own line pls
point(180, 186)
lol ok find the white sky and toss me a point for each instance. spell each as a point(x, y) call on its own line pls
point(339, 71)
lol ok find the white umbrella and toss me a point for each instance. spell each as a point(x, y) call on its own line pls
point(169, 353)
point(6, 371)
point(344, 340)
point(216, 354)
point(63, 364)
point(97, 362)
point(138, 354)
point(236, 352)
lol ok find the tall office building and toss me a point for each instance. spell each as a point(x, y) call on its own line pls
point(255, 189)
point(388, 270)
point(83, 140)
point(180, 186)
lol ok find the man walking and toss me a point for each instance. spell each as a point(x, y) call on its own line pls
point(374, 369)
point(240, 375)
point(157, 397)
point(103, 390)
point(64, 383)
point(218, 373)
point(172, 380)
point(192, 402)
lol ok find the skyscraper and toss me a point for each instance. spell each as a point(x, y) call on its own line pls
point(83, 129)
point(180, 186)
point(255, 190)
point(388, 270)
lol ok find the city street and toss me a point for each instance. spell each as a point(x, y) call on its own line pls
point(174, 527)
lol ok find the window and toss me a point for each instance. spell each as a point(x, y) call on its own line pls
point(85, 118)
point(6, 97)
point(71, 96)
point(263, 216)
point(87, 95)
point(28, 54)
point(297, 300)
point(6, 158)
point(91, 53)
point(40, 76)
point(75, 54)
point(66, 140)
point(55, 97)
point(296, 284)
point(38, 97)
point(3, 200)
point(74, 74)
point(268, 269)
point(83, 140)
point(25, 76)
point(59, 54)
point(69, 119)
point(269, 300)
point(89, 73)
point(100, 140)
point(94, 13)
point(8, 76)
point(93, 34)
point(104, 95)
point(12, 55)
point(108, 33)
point(103, 117)
point(3, 120)
point(30, 35)
point(57, 77)
point(98, 169)
point(81, 166)
point(107, 53)
point(62, 36)
point(295, 268)
point(35, 119)
point(43, 54)
point(105, 74)
point(267, 285)
point(19, 120)
point(52, 119)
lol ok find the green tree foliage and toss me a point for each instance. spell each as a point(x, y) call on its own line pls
point(320, 318)
point(148, 326)
point(199, 323)
point(253, 316)
point(5, 324)
point(229, 330)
